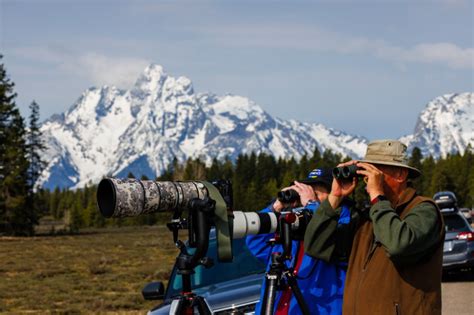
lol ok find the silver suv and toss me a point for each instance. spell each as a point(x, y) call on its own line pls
point(458, 251)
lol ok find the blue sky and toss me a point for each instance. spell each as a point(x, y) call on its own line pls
point(366, 67)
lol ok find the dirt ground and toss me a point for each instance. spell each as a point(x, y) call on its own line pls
point(96, 272)
point(104, 271)
point(458, 294)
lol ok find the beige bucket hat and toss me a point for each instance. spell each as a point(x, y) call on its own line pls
point(389, 152)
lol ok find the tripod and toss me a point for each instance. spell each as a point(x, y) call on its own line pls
point(279, 271)
point(198, 226)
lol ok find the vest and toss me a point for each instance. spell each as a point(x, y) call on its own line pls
point(376, 285)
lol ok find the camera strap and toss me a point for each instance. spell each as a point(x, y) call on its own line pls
point(223, 231)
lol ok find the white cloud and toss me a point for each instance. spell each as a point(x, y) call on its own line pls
point(320, 40)
point(104, 70)
point(446, 53)
point(97, 68)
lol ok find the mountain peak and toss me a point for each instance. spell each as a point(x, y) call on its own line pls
point(151, 79)
point(154, 70)
point(445, 126)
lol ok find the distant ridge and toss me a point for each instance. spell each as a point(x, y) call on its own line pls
point(112, 131)
point(109, 131)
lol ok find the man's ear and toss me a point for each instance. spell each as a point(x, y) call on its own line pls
point(402, 175)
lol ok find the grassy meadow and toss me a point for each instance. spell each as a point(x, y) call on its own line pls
point(97, 271)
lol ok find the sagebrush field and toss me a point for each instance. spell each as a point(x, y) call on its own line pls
point(97, 271)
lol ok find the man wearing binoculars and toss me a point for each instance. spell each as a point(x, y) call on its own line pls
point(395, 263)
point(321, 283)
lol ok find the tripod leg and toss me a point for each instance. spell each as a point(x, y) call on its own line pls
point(203, 308)
point(176, 307)
point(268, 303)
point(290, 277)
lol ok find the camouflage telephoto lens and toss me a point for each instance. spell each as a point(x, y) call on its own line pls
point(132, 197)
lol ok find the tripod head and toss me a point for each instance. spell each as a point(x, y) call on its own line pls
point(283, 237)
point(199, 225)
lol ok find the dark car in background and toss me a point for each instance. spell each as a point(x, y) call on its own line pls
point(228, 288)
point(458, 250)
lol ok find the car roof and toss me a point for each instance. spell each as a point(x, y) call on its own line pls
point(444, 193)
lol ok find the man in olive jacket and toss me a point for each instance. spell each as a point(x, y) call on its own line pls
point(395, 263)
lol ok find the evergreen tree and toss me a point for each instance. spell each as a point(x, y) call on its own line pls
point(440, 180)
point(35, 148)
point(194, 170)
point(265, 170)
point(55, 197)
point(16, 216)
point(76, 218)
point(42, 199)
point(330, 159)
point(470, 199)
point(214, 171)
point(315, 160)
point(416, 161)
point(227, 169)
point(427, 169)
point(304, 167)
point(35, 145)
point(240, 183)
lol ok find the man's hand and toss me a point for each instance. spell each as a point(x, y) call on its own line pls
point(341, 188)
point(278, 206)
point(375, 179)
point(306, 192)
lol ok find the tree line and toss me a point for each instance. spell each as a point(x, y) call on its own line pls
point(256, 178)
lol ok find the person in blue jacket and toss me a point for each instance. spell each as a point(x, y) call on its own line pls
point(321, 283)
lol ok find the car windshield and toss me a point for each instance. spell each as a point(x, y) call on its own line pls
point(455, 223)
point(243, 264)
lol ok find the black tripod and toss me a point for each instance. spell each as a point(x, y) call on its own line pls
point(279, 271)
point(198, 226)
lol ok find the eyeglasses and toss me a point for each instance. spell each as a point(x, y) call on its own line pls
point(366, 180)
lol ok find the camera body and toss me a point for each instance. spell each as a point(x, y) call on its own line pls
point(299, 219)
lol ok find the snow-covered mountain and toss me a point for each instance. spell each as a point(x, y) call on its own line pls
point(445, 126)
point(112, 132)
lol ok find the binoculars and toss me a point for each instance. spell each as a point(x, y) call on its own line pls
point(346, 172)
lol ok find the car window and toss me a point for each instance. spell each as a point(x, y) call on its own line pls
point(455, 223)
point(243, 264)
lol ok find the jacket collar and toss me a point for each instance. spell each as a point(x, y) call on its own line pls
point(405, 197)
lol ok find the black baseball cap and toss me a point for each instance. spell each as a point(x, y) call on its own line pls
point(319, 176)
